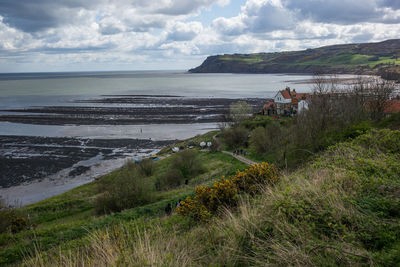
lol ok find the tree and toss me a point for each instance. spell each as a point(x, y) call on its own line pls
point(240, 111)
point(379, 92)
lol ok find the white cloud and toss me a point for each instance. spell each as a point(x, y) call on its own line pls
point(136, 33)
point(180, 31)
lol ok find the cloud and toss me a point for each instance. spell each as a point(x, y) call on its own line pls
point(33, 16)
point(183, 7)
point(341, 12)
point(87, 32)
point(394, 4)
point(184, 31)
point(135, 15)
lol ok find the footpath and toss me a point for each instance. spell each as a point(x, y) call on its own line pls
point(238, 157)
point(241, 158)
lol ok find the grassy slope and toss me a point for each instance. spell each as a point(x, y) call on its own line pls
point(368, 58)
point(341, 209)
point(67, 219)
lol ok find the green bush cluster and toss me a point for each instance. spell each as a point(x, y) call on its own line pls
point(236, 136)
point(10, 220)
point(125, 189)
point(184, 165)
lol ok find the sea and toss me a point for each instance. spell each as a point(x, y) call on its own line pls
point(32, 141)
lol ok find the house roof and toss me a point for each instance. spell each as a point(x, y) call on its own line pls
point(287, 94)
point(270, 104)
point(393, 106)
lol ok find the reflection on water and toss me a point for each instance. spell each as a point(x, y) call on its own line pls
point(153, 131)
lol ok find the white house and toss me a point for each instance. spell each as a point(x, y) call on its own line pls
point(288, 102)
point(302, 105)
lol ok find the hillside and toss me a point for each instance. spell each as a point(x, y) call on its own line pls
point(336, 205)
point(369, 58)
point(341, 209)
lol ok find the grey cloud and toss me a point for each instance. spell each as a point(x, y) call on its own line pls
point(74, 50)
point(362, 37)
point(38, 15)
point(394, 4)
point(109, 30)
point(183, 7)
point(181, 36)
point(340, 12)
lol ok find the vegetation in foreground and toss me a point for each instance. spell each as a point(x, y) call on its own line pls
point(68, 220)
point(341, 209)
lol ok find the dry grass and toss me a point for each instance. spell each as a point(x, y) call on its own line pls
point(310, 218)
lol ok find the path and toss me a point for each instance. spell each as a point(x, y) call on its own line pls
point(241, 158)
point(238, 157)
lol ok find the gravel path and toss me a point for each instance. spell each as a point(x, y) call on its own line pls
point(241, 158)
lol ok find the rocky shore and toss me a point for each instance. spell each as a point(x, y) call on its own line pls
point(24, 159)
point(129, 110)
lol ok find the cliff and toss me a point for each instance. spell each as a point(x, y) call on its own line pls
point(368, 58)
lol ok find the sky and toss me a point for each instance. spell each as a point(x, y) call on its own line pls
point(95, 35)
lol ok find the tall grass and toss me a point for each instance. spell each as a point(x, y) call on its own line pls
point(340, 210)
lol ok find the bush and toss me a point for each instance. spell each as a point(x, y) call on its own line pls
point(194, 209)
point(255, 176)
point(224, 193)
point(266, 139)
point(171, 179)
point(146, 167)
point(187, 163)
point(236, 137)
point(10, 220)
point(215, 146)
point(7, 216)
point(126, 190)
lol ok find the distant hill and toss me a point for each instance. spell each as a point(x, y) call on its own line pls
point(381, 58)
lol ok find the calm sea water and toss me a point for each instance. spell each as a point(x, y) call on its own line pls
point(29, 89)
point(54, 89)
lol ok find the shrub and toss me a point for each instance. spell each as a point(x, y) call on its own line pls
point(171, 179)
point(7, 216)
point(255, 176)
point(146, 167)
point(194, 209)
point(18, 224)
point(126, 190)
point(215, 146)
point(10, 220)
point(188, 163)
point(266, 139)
point(224, 192)
point(236, 136)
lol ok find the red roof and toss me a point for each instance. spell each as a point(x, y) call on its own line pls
point(393, 106)
point(292, 94)
point(285, 94)
point(269, 104)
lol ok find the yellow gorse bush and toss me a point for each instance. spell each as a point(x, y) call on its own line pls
point(250, 179)
point(225, 192)
point(195, 209)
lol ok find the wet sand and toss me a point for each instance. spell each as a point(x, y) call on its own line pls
point(45, 151)
point(129, 110)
